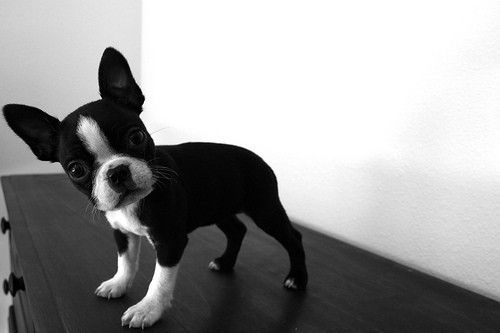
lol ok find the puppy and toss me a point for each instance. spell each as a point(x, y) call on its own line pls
point(161, 192)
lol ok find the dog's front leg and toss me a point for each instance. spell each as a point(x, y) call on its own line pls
point(128, 262)
point(161, 289)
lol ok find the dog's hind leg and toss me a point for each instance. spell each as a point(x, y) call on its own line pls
point(271, 217)
point(234, 230)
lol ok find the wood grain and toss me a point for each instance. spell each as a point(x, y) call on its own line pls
point(65, 252)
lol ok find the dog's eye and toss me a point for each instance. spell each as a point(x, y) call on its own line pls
point(137, 137)
point(77, 170)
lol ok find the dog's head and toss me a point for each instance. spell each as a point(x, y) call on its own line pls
point(103, 146)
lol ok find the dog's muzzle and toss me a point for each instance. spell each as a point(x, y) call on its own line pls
point(120, 181)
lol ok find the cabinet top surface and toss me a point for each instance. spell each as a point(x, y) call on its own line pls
point(66, 249)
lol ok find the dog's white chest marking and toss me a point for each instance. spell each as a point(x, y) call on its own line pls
point(126, 220)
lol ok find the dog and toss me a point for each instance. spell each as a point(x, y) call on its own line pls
point(161, 192)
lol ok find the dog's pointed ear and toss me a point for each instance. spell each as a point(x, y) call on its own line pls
point(38, 129)
point(116, 81)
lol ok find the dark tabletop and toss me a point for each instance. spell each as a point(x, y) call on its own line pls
point(66, 252)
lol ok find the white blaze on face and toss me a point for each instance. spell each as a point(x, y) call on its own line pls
point(96, 142)
point(94, 139)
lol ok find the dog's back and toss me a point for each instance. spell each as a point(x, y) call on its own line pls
point(220, 179)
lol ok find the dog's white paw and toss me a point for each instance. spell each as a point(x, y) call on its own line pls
point(143, 314)
point(214, 266)
point(112, 288)
point(290, 284)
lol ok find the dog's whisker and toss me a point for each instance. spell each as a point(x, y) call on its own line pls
point(156, 167)
point(168, 173)
point(164, 174)
point(159, 182)
point(158, 130)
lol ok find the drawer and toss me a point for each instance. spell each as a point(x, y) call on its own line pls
point(21, 310)
point(12, 320)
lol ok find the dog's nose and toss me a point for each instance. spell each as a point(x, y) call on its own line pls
point(119, 178)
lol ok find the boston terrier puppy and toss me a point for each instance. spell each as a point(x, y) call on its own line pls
point(161, 192)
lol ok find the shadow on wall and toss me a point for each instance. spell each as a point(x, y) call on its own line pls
point(433, 197)
point(439, 223)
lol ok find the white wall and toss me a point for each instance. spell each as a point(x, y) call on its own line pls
point(380, 118)
point(50, 52)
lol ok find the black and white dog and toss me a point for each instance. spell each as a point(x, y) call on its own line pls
point(161, 192)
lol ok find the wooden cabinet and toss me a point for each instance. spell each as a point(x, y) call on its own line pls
point(20, 319)
point(62, 251)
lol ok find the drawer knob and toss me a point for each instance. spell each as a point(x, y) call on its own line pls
point(13, 285)
point(4, 225)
